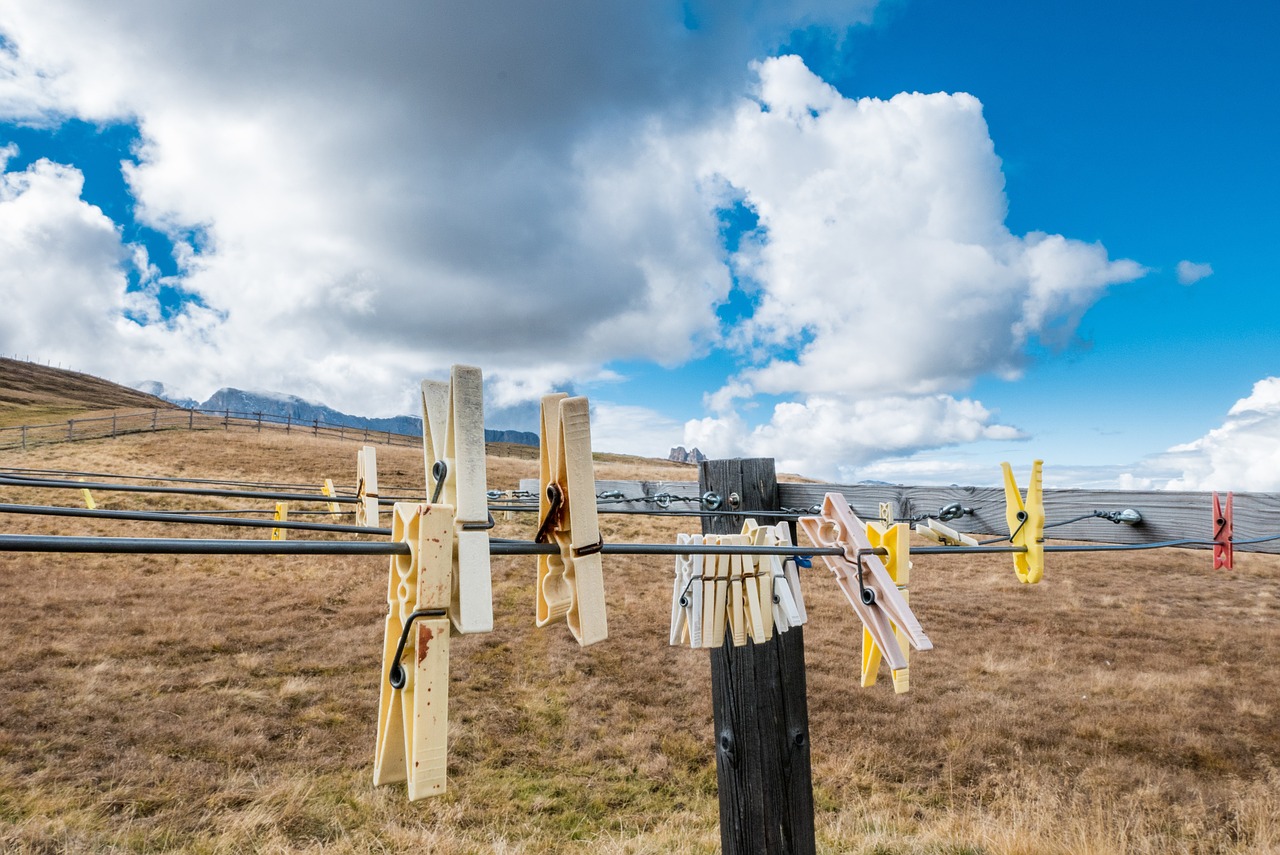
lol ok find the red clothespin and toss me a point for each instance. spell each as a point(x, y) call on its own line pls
point(1223, 552)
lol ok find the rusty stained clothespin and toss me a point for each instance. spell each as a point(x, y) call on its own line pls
point(1026, 522)
point(367, 487)
point(281, 515)
point(1223, 532)
point(454, 457)
point(570, 583)
point(894, 539)
point(413, 706)
point(866, 583)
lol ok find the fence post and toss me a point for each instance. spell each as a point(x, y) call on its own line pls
point(191, 419)
point(315, 427)
point(759, 701)
point(113, 423)
point(288, 420)
point(24, 437)
point(70, 424)
point(154, 414)
point(226, 420)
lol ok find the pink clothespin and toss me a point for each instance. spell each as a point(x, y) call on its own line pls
point(864, 580)
point(1223, 552)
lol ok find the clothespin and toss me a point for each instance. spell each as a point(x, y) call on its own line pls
point(1223, 531)
point(88, 498)
point(895, 539)
point(788, 598)
point(367, 487)
point(1026, 522)
point(413, 708)
point(759, 574)
point(281, 515)
point(686, 596)
point(743, 602)
point(329, 490)
point(570, 584)
point(453, 452)
point(715, 594)
point(886, 513)
point(864, 580)
point(944, 534)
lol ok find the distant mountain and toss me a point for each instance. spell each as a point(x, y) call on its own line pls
point(305, 412)
point(679, 455)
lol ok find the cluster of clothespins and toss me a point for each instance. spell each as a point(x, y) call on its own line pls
point(444, 584)
point(750, 596)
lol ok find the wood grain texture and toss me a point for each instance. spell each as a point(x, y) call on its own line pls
point(760, 704)
point(1166, 515)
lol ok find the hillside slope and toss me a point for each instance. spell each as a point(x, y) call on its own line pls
point(30, 392)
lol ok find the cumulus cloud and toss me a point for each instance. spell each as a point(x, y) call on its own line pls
point(362, 198)
point(1190, 272)
point(832, 437)
point(1243, 454)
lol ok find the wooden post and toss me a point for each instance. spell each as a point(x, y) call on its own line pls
point(70, 424)
point(760, 704)
point(191, 419)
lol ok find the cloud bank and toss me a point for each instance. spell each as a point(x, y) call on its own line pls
point(1243, 454)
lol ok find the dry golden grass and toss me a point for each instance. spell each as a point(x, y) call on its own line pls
point(1129, 703)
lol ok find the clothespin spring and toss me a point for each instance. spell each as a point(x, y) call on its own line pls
point(867, 595)
point(397, 675)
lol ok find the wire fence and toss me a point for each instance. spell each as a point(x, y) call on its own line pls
point(124, 422)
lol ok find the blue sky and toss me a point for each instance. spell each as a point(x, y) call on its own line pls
point(900, 241)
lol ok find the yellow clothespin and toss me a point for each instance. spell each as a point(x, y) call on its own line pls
point(281, 515)
point(944, 534)
point(453, 453)
point(329, 490)
point(367, 487)
point(1026, 522)
point(413, 708)
point(570, 584)
point(88, 498)
point(864, 580)
point(896, 540)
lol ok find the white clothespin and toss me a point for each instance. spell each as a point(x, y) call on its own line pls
point(367, 487)
point(413, 708)
point(779, 579)
point(570, 584)
point(686, 596)
point(453, 454)
point(944, 534)
point(862, 577)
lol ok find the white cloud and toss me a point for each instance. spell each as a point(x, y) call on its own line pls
point(884, 263)
point(1243, 454)
point(1189, 272)
point(834, 437)
point(627, 429)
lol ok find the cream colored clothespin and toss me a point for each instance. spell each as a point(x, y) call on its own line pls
point(944, 534)
point(367, 487)
point(686, 595)
point(862, 577)
point(413, 708)
point(716, 572)
point(789, 596)
point(780, 598)
point(281, 515)
point(453, 453)
point(571, 583)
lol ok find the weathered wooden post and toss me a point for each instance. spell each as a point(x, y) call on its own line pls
point(760, 704)
point(70, 424)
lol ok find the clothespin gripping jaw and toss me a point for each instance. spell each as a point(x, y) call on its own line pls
point(570, 583)
point(1026, 522)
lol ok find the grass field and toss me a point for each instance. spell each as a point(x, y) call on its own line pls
point(1129, 703)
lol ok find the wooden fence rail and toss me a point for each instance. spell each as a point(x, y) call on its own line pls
point(120, 423)
point(1166, 515)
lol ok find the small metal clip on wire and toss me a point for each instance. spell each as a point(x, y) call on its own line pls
point(396, 674)
point(711, 500)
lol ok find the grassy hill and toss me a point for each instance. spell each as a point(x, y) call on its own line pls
point(32, 394)
point(215, 704)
